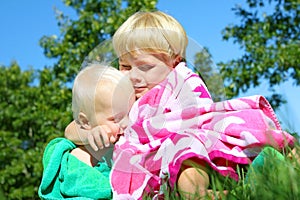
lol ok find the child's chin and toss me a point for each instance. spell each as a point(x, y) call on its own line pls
point(140, 94)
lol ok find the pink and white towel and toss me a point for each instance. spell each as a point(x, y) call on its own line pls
point(176, 121)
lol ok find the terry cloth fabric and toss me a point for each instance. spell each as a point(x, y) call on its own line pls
point(65, 176)
point(258, 164)
point(176, 121)
point(259, 161)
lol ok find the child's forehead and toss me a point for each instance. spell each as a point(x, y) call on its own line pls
point(140, 55)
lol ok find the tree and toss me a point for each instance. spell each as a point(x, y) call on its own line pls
point(97, 21)
point(206, 68)
point(33, 110)
point(271, 44)
point(35, 104)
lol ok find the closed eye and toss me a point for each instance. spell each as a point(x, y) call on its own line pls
point(146, 67)
point(125, 67)
point(118, 117)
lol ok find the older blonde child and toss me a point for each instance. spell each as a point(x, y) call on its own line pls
point(102, 97)
point(176, 133)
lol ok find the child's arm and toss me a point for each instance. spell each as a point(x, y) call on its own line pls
point(89, 156)
point(97, 137)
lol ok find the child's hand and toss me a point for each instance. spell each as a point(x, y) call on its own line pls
point(102, 136)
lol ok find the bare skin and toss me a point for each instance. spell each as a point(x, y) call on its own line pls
point(193, 182)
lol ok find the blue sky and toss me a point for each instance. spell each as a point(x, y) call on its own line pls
point(23, 23)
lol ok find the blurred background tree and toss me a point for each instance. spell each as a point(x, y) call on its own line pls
point(35, 104)
point(34, 109)
point(208, 71)
point(96, 22)
point(271, 46)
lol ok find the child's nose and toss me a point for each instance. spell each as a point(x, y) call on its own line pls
point(134, 75)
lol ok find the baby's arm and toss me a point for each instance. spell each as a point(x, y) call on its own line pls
point(97, 137)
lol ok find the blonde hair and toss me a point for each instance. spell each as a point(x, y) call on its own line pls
point(151, 32)
point(85, 86)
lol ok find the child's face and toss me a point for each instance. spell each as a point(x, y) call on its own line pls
point(112, 107)
point(146, 70)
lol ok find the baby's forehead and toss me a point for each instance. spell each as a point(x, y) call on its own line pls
point(107, 90)
point(105, 87)
point(113, 94)
point(103, 98)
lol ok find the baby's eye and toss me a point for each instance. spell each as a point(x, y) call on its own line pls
point(117, 120)
point(118, 117)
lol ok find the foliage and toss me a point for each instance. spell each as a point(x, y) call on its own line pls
point(97, 21)
point(276, 179)
point(271, 44)
point(206, 68)
point(31, 114)
point(35, 105)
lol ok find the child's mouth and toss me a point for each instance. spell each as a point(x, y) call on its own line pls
point(139, 89)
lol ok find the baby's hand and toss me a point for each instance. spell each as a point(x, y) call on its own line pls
point(101, 136)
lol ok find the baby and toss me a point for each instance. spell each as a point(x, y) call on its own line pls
point(102, 97)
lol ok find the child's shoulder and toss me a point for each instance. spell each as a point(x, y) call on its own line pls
point(56, 147)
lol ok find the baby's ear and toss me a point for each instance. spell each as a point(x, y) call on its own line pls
point(84, 121)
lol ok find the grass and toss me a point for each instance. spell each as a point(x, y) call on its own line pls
point(276, 179)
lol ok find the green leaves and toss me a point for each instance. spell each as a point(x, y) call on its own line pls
point(29, 118)
point(271, 45)
point(35, 105)
point(96, 21)
point(205, 67)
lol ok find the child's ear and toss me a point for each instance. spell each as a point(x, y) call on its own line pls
point(177, 60)
point(84, 121)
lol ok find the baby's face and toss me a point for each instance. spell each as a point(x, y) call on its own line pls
point(112, 105)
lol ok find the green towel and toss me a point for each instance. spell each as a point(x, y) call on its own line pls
point(258, 164)
point(65, 176)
